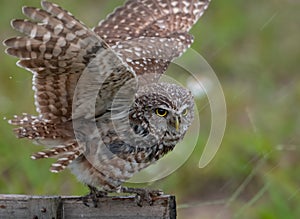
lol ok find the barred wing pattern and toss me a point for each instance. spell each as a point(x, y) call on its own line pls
point(141, 37)
point(148, 19)
point(56, 50)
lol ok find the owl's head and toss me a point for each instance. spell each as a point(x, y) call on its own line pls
point(163, 110)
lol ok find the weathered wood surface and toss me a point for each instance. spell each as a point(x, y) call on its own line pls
point(56, 207)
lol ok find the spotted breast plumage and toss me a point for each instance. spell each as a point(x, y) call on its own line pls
point(96, 114)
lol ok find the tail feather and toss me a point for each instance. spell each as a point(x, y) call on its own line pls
point(42, 131)
point(31, 127)
point(65, 155)
point(63, 162)
point(37, 128)
point(57, 151)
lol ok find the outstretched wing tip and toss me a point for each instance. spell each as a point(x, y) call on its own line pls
point(25, 9)
point(32, 157)
point(45, 4)
point(53, 171)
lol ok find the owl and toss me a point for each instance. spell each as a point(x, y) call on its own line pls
point(101, 110)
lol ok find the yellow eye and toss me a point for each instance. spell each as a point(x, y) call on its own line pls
point(185, 112)
point(161, 112)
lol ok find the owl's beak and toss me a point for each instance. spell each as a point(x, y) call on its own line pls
point(174, 122)
point(177, 124)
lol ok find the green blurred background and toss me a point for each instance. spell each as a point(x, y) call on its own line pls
point(254, 48)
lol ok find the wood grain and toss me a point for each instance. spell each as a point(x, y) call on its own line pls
point(56, 207)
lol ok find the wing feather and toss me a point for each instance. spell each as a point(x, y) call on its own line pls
point(57, 48)
point(169, 19)
point(76, 74)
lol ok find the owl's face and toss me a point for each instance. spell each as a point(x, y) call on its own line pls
point(163, 110)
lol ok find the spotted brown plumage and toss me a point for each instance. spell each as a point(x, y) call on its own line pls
point(150, 19)
point(95, 114)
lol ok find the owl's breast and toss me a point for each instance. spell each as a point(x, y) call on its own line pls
point(107, 174)
point(116, 150)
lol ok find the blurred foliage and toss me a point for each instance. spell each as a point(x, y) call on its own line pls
point(254, 49)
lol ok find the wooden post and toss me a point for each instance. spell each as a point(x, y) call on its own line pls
point(72, 207)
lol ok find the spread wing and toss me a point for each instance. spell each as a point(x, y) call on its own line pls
point(147, 20)
point(57, 49)
point(74, 67)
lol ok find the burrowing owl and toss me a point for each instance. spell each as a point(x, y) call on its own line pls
point(101, 111)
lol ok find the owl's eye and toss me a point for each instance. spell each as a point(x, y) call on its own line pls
point(161, 112)
point(185, 112)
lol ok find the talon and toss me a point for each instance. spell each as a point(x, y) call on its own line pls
point(95, 201)
point(142, 194)
point(150, 200)
point(101, 194)
point(138, 200)
point(85, 201)
point(94, 195)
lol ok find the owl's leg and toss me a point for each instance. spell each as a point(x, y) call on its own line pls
point(94, 194)
point(142, 194)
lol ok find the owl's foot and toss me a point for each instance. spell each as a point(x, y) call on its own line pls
point(142, 195)
point(94, 194)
